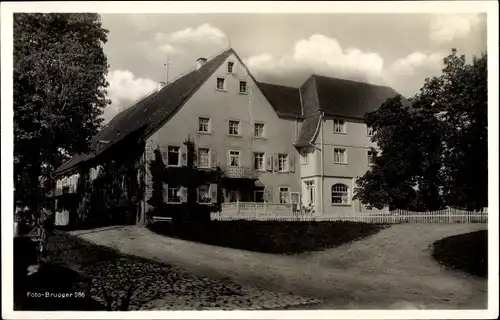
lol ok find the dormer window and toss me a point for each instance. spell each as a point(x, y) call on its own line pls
point(220, 83)
point(230, 66)
point(338, 126)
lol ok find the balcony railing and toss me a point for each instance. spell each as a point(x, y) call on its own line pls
point(64, 190)
point(240, 173)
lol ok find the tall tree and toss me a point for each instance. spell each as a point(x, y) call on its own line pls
point(59, 93)
point(435, 152)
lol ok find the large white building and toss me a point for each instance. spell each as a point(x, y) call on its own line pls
point(276, 144)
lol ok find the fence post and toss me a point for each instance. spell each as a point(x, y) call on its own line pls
point(449, 215)
point(237, 207)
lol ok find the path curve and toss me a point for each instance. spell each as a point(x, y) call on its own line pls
point(392, 269)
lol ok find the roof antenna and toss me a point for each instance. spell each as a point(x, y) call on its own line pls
point(167, 65)
point(228, 43)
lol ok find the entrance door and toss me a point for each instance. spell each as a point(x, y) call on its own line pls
point(295, 198)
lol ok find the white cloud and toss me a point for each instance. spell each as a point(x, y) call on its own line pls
point(124, 89)
point(446, 28)
point(204, 33)
point(417, 62)
point(321, 55)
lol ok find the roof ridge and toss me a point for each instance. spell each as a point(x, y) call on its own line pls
point(348, 80)
point(277, 85)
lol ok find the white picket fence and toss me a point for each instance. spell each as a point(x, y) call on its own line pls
point(284, 212)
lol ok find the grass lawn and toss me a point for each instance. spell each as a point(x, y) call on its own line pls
point(272, 237)
point(466, 252)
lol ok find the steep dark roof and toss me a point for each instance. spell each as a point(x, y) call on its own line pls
point(350, 98)
point(285, 100)
point(308, 131)
point(149, 113)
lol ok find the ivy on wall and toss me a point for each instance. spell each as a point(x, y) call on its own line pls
point(190, 178)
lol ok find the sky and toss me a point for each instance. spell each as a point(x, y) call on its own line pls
point(397, 50)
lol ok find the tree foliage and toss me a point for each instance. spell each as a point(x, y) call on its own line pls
point(434, 152)
point(59, 92)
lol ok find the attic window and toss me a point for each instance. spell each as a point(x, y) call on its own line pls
point(338, 126)
point(230, 66)
point(243, 87)
point(220, 83)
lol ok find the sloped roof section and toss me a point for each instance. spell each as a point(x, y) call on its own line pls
point(308, 131)
point(285, 100)
point(350, 98)
point(149, 113)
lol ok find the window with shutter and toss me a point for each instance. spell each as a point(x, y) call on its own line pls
point(291, 161)
point(213, 192)
point(276, 163)
point(183, 155)
point(213, 160)
point(269, 163)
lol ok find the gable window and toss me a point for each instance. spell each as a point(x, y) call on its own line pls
point(282, 162)
point(220, 83)
point(310, 192)
point(340, 194)
point(339, 155)
point(259, 194)
point(369, 131)
point(303, 156)
point(338, 126)
point(203, 158)
point(284, 195)
point(258, 161)
point(371, 156)
point(173, 195)
point(234, 128)
point(258, 130)
point(204, 194)
point(173, 158)
point(230, 66)
point(204, 125)
point(243, 87)
point(234, 158)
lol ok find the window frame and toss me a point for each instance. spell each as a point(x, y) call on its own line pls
point(344, 155)
point(368, 153)
point(280, 192)
point(223, 84)
point(178, 157)
point(304, 156)
point(208, 158)
point(310, 186)
point(259, 190)
point(255, 154)
point(287, 162)
point(263, 129)
point(209, 125)
point(230, 63)
point(237, 128)
point(246, 87)
point(338, 120)
point(178, 188)
point(368, 129)
point(342, 196)
point(198, 193)
point(230, 158)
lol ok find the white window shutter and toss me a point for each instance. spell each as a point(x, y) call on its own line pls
point(183, 155)
point(196, 157)
point(268, 192)
point(276, 163)
point(183, 194)
point(291, 163)
point(213, 158)
point(165, 192)
point(213, 192)
point(269, 162)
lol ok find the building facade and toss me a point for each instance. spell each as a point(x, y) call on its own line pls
point(275, 144)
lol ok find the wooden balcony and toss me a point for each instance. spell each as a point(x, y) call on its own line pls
point(64, 190)
point(240, 173)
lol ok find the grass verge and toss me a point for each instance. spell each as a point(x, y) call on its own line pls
point(466, 252)
point(271, 237)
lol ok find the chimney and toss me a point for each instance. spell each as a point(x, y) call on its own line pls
point(160, 85)
point(200, 62)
